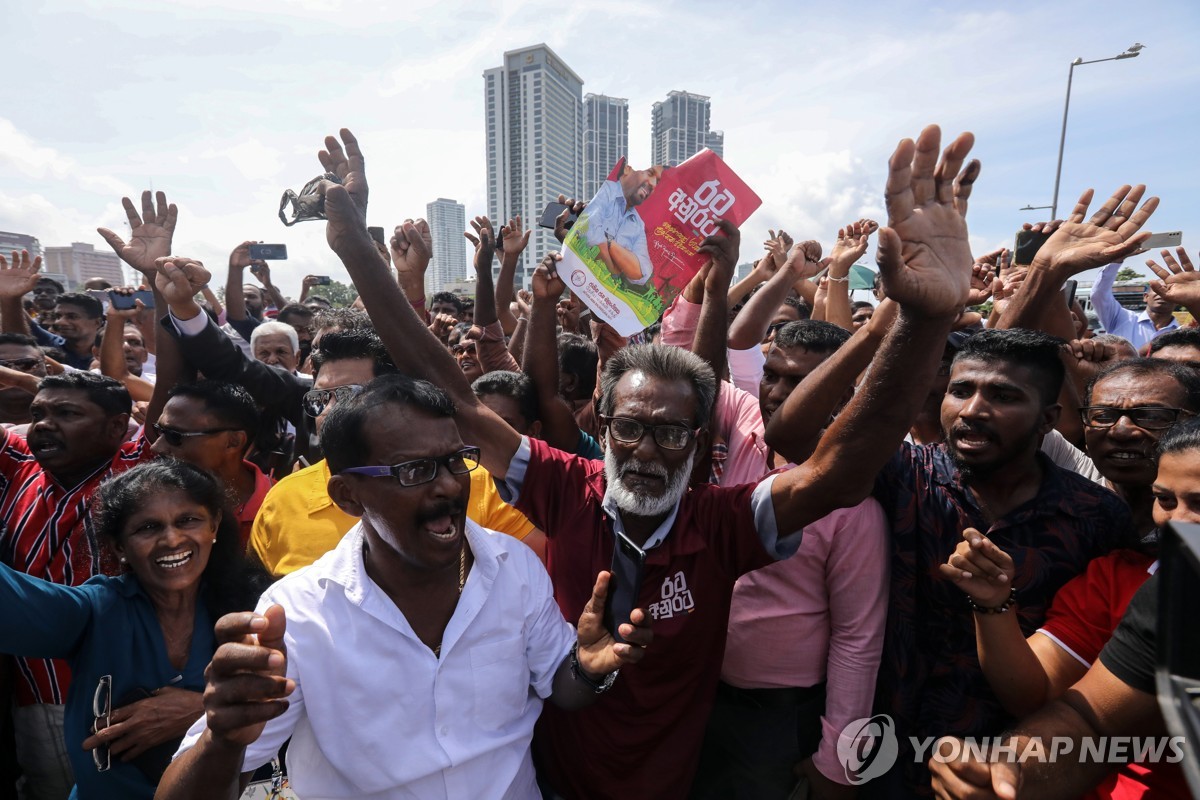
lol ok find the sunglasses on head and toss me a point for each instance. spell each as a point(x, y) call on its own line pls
point(316, 401)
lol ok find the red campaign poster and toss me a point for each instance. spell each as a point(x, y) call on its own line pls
point(635, 246)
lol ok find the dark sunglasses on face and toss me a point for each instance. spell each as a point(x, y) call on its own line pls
point(422, 470)
point(176, 438)
point(22, 364)
point(1148, 418)
point(101, 712)
point(315, 401)
point(630, 431)
point(463, 349)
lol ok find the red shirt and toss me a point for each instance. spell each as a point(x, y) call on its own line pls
point(1081, 620)
point(46, 531)
point(247, 512)
point(642, 739)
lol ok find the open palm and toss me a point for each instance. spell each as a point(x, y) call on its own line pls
point(19, 278)
point(1111, 234)
point(150, 234)
point(924, 254)
point(345, 205)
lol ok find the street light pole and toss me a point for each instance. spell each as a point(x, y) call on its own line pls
point(1130, 52)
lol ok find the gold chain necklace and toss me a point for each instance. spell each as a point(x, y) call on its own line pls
point(462, 581)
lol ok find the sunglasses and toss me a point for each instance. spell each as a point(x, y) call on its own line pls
point(630, 431)
point(315, 401)
point(101, 713)
point(176, 438)
point(1148, 418)
point(422, 470)
point(22, 364)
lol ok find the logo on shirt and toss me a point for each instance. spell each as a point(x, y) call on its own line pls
point(676, 598)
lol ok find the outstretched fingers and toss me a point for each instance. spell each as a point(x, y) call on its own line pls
point(1081, 206)
point(1110, 205)
point(1139, 218)
point(924, 166)
point(898, 194)
point(946, 176)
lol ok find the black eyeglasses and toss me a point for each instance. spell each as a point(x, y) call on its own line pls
point(22, 364)
point(176, 438)
point(630, 431)
point(101, 712)
point(421, 470)
point(1148, 418)
point(315, 401)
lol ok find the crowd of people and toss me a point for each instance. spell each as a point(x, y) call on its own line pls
point(362, 546)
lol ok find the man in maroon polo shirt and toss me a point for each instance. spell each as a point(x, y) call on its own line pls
point(643, 740)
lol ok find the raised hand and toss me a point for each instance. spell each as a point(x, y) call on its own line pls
point(777, 246)
point(1088, 357)
point(346, 204)
point(524, 302)
point(600, 654)
point(1110, 235)
point(514, 237)
point(441, 326)
point(178, 279)
point(150, 234)
point(412, 247)
point(119, 316)
point(983, 276)
point(850, 246)
point(484, 240)
point(981, 569)
point(1178, 282)
point(804, 260)
point(963, 184)
point(573, 206)
point(923, 253)
point(548, 286)
point(569, 310)
point(247, 683)
point(18, 278)
point(723, 249)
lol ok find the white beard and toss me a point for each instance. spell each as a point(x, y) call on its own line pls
point(637, 503)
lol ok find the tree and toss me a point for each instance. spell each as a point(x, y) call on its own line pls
point(336, 292)
point(1129, 274)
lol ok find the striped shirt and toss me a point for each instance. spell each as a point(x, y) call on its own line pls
point(46, 531)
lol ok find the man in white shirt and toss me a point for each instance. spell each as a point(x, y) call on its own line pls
point(1140, 329)
point(415, 656)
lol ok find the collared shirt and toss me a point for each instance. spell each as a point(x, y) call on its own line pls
point(107, 626)
point(46, 531)
point(376, 714)
point(930, 680)
point(611, 219)
point(644, 738)
point(298, 522)
point(249, 510)
point(1116, 319)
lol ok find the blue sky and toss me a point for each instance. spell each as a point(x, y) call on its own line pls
point(224, 106)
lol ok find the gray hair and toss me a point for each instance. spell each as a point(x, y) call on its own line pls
point(667, 363)
point(273, 327)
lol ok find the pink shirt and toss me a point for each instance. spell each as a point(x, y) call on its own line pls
point(818, 616)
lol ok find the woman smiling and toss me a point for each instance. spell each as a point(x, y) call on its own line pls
point(138, 643)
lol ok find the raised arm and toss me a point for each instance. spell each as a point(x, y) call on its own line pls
point(413, 348)
point(412, 250)
point(1178, 281)
point(540, 362)
point(515, 240)
point(750, 326)
point(16, 280)
point(112, 352)
point(925, 260)
point(850, 247)
point(262, 271)
point(235, 298)
point(713, 327)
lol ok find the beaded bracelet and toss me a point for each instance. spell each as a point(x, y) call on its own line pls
point(1000, 609)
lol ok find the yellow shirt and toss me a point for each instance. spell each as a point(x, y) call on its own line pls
point(298, 522)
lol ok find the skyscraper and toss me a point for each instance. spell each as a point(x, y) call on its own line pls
point(679, 128)
point(605, 138)
point(447, 221)
point(80, 262)
point(534, 112)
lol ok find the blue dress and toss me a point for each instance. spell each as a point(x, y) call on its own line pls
point(107, 626)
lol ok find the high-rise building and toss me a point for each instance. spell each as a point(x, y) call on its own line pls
point(534, 112)
point(10, 241)
point(80, 261)
point(605, 138)
point(447, 221)
point(679, 128)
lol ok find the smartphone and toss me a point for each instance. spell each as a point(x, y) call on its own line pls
point(551, 214)
point(377, 235)
point(625, 585)
point(1157, 241)
point(323, 280)
point(269, 252)
point(1028, 243)
point(1069, 290)
point(122, 302)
